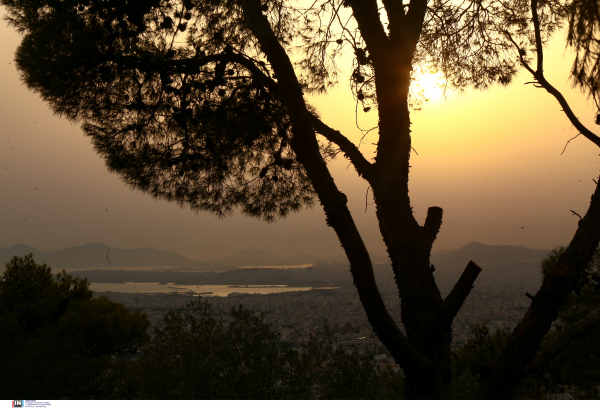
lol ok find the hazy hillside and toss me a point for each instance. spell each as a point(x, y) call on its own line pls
point(6, 254)
point(95, 255)
point(502, 266)
point(321, 243)
point(489, 255)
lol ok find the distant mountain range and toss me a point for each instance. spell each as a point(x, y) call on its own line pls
point(97, 255)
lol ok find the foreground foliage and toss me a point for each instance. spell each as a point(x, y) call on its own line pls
point(55, 339)
point(578, 363)
point(59, 342)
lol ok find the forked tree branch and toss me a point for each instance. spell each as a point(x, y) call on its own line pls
point(367, 16)
point(334, 202)
point(565, 338)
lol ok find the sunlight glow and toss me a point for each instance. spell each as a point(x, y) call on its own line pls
point(431, 85)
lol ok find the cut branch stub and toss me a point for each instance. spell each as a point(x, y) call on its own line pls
point(459, 293)
point(433, 222)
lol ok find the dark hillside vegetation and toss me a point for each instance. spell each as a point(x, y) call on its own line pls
point(55, 339)
point(58, 342)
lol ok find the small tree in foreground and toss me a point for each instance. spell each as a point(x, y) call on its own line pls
point(202, 102)
point(56, 341)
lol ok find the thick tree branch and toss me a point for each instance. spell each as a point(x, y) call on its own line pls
point(395, 14)
point(362, 165)
point(538, 37)
point(414, 22)
point(191, 65)
point(565, 338)
point(305, 145)
point(567, 109)
point(542, 82)
point(459, 293)
point(184, 65)
point(367, 16)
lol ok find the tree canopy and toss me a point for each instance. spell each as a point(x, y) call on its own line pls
point(182, 101)
point(584, 36)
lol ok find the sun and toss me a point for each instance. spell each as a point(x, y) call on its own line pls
point(430, 84)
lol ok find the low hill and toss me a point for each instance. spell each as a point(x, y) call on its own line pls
point(490, 255)
point(96, 255)
point(503, 266)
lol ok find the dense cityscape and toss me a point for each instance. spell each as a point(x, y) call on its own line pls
point(499, 303)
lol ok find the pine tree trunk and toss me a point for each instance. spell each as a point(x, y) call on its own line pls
point(408, 243)
point(426, 331)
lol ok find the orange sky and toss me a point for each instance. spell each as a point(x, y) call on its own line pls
point(492, 160)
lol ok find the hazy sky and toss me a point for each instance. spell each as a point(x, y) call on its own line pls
point(492, 160)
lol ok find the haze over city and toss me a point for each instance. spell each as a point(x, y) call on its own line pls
point(492, 160)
